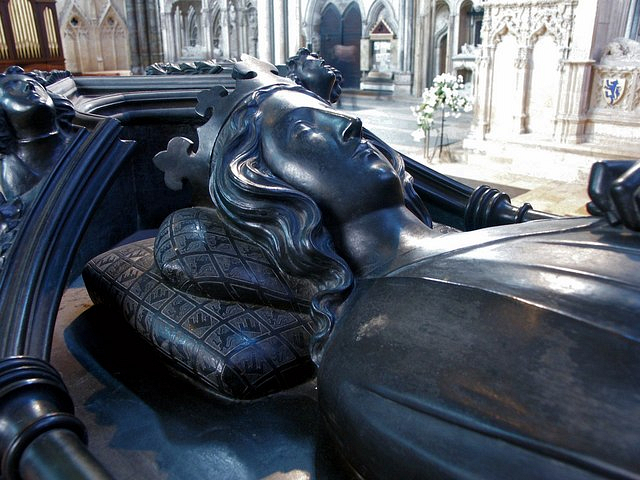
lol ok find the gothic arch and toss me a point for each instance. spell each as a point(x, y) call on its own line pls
point(183, 22)
point(75, 30)
point(465, 27)
point(114, 40)
point(216, 32)
point(313, 16)
point(544, 27)
point(544, 83)
point(381, 9)
point(329, 31)
point(441, 37)
point(193, 30)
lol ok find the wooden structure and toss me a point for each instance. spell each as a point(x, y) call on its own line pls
point(30, 35)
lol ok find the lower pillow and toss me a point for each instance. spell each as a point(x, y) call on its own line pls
point(238, 350)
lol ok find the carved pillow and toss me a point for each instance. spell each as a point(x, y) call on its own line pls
point(198, 253)
point(222, 314)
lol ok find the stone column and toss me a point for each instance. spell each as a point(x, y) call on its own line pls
point(422, 46)
point(132, 21)
point(280, 32)
point(576, 74)
point(482, 102)
point(576, 77)
point(225, 41)
point(452, 43)
point(177, 31)
point(402, 35)
point(523, 77)
point(144, 34)
point(264, 30)
point(293, 28)
point(206, 35)
point(168, 37)
point(154, 37)
point(97, 45)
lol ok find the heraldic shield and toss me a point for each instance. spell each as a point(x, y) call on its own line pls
point(613, 89)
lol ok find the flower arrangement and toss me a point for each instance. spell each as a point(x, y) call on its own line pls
point(444, 95)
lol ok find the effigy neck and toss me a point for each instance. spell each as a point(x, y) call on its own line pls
point(374, 240)
point(37, 152)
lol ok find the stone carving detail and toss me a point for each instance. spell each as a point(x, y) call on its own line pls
point(95, 36)
point(205, 67)
point(627, 96)
point(522, 59)
point(622, 51)
point(529, 21)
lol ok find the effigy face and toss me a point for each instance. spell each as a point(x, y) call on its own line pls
point(321, 152)
point(27, 105)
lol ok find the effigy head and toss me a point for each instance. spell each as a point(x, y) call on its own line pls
point(28, 111)
point(310, 70)
point(273, 135)
point(321, 152)
point(287, 170)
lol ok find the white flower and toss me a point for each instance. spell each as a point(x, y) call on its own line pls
point(418, 135)
point(445, 94)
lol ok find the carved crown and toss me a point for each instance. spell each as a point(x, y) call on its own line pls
point(179, 162)
point(250, 75)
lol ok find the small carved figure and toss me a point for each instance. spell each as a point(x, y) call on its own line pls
point(35, 127)
point(309, 70)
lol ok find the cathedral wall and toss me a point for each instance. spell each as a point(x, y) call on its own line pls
point(95, 36)
point(553, 78)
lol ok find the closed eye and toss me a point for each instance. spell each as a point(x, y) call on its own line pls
point(301, 129)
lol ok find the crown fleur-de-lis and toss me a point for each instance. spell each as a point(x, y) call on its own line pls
point(179, 161)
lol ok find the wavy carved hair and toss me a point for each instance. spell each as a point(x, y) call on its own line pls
point(285, 221)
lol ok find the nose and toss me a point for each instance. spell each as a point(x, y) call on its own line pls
point(353, 128)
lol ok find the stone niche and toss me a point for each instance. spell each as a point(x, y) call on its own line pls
point(614, 109)
point(377, 58)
